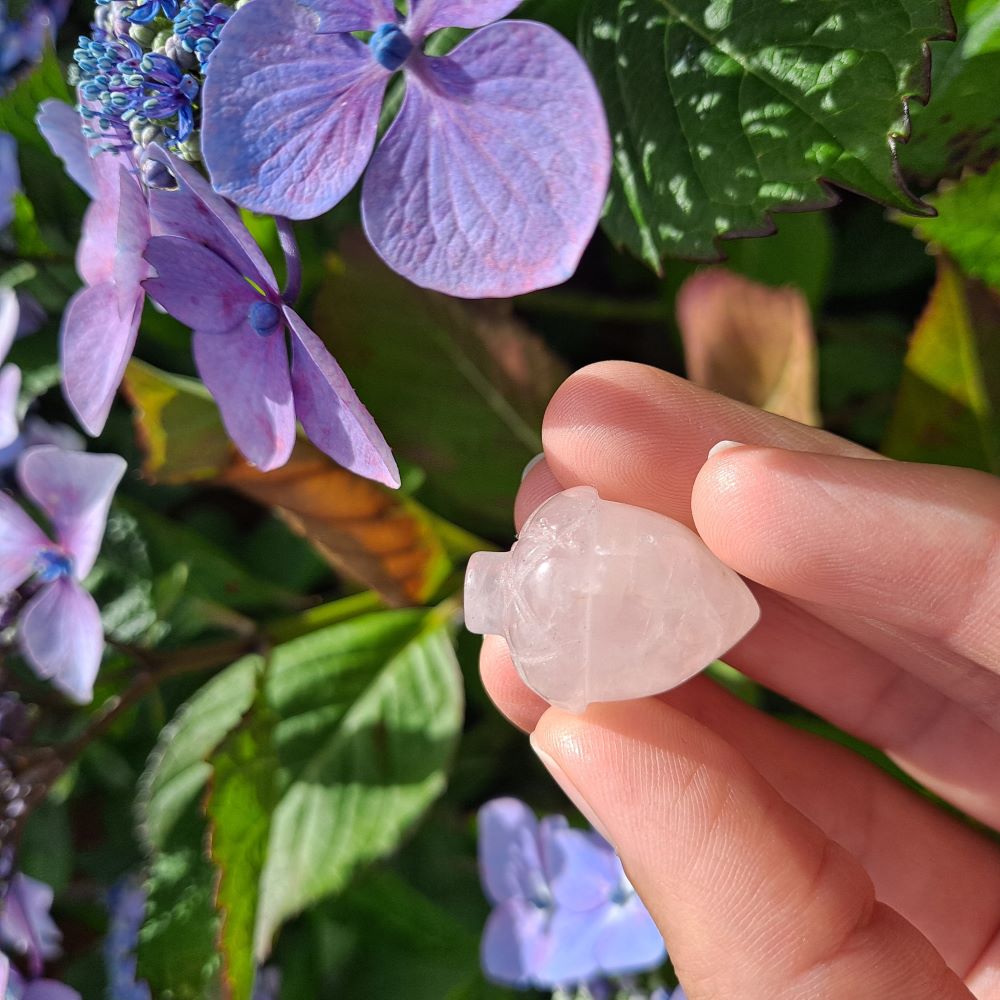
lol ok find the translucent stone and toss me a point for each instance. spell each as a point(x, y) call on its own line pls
point(600, 601)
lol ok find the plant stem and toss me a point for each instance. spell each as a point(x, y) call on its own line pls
point(293, 259)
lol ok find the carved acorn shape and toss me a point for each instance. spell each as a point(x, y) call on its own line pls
point(602, 601)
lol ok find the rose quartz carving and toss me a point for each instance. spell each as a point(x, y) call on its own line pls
point(600, 601)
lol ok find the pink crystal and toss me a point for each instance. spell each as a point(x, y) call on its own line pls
point(600, 601)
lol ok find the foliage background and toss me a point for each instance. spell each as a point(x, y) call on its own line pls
point(327, 739)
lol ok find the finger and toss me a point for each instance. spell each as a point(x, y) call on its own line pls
point(912, 545)
point(753, 900)
point(640, 435)
point(955, 901)
point(537, 486)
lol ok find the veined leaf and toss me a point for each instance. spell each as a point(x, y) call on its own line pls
point(948, 408)
point(377, 536)
point(319, 761)
point(459, 388)
point(724, 111)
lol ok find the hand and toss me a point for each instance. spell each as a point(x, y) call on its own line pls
point(777, 864)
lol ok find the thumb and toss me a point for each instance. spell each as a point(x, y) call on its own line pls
point(753, 900)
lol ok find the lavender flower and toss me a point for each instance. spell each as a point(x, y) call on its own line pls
point(101, 322)
point(564, 911)
point(211, 276)
point(489, 182)
point(59, 628)
point(10, 178)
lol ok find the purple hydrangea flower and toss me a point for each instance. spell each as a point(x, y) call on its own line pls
point(149, 10)
point(59, 628)
point(10, 178)
point(490, 181)
point(564, 911)
point(127, 907)
point(211, 276)
point(101, 322)
point(14, 987)
point(267, 983)
point(26, 928)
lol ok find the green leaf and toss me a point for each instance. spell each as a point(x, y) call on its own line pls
point(19, 106)
point(458, 388)
point(178, 768)
point(350, 735)
point(948, 409)
point(370, 713)
point(967, 226)
point(959, 129)
point(243, 794)
point(722, 112)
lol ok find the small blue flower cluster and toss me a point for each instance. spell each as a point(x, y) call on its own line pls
point(140, 71)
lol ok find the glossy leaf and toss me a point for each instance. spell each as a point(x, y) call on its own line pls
point(948, 408)
point(750, 342)
point(967, 226)
point(458, 388)
point(959, 129)
point(724, 112)
point(375, 535)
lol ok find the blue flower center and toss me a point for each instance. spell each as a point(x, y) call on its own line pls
point(390, 46)
point(53, 565)
point(265, 318)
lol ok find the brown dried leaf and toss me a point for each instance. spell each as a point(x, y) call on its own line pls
point(750, 342)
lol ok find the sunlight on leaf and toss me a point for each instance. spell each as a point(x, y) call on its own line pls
point(752, 343)
point(724, 112)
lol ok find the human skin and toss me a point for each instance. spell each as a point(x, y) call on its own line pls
point(776, 864)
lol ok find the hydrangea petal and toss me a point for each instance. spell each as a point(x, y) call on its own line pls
point(582, 869)
point(508, 846)
point(196, 286)
point(10, 386)
point(351, 15)
point(570, 955)
point(96, 343)
point(132, 235)
point(289, 116)
point(20, 541)
point(430, 15)
point(61, 636)
point(49, 989)
point(97, 250)
point(10, 317)
point(60, 125)
point(248, 376)
point(333, 417)
point(26, 928)
point(193, 211)
point(628, 940)
point(75, 489)
point(504, 148)
point(512, 950)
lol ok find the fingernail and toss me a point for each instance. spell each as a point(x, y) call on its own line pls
point(722, 446)
point(531, 465)
point(561, 778)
